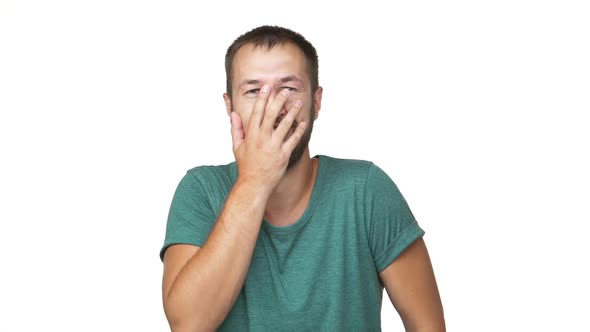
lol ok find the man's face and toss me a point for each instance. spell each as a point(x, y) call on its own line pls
point(282, 67)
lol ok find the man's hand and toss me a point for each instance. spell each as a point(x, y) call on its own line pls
point(263, 156)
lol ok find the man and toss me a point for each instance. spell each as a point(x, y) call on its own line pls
point(279, 241)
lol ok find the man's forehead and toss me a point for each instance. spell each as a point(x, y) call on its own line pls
point(286, 54)
point(279, 64)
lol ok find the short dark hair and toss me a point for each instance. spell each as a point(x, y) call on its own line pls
point(268, 37)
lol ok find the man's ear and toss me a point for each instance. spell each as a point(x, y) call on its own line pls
point(227, 100)
point(317, 100)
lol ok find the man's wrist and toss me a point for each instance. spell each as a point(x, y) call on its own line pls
point(254, 188)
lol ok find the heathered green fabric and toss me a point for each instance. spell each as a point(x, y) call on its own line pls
point(320, 273)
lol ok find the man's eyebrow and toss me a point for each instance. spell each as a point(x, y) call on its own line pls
point(291, 78)
point(249, 82)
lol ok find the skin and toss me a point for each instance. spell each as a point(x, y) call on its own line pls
point(270, 111)
point(411, 287)
point(253, 68)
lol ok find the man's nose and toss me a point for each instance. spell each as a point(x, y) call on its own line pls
point(284, 108)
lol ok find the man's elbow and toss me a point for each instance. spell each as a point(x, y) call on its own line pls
point(430, 326)
point(190, 325)
point(437, 328)
point(182, 321)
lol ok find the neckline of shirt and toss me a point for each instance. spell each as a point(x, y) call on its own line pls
point(317, 186)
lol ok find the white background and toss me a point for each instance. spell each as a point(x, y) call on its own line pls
point(477, 110)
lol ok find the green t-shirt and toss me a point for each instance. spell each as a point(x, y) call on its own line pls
point(320, 273)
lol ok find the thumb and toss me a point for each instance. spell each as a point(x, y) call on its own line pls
point(237, 130)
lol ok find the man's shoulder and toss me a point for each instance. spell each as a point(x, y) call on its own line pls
point(211, 172)
point(358, 171)
point(347, 169)
point(348, 165)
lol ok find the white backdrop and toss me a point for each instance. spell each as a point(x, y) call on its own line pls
point(477, 110)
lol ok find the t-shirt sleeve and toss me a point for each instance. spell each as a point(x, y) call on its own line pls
point(191, 217)
point(391, 224)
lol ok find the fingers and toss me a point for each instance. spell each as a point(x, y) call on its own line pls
point(287, 122)
point(291, 143)
point(237, 130)
point(273, 110)
point(259, 107)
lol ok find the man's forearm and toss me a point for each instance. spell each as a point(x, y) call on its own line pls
point(207, 286)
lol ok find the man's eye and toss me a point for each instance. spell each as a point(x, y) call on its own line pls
point(252, 92)
point(289, 88)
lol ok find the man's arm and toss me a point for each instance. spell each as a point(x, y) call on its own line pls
point(200, 285)
point(411, 286)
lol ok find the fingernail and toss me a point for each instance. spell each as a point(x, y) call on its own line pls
point(285, 92)
point(265, 89)
point(297, 103)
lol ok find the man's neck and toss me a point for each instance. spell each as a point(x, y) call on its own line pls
point(291, 196)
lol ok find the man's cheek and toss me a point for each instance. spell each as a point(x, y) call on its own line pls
point(245, 117)
point(245, 111)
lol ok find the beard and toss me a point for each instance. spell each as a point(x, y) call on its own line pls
point(303, 142)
